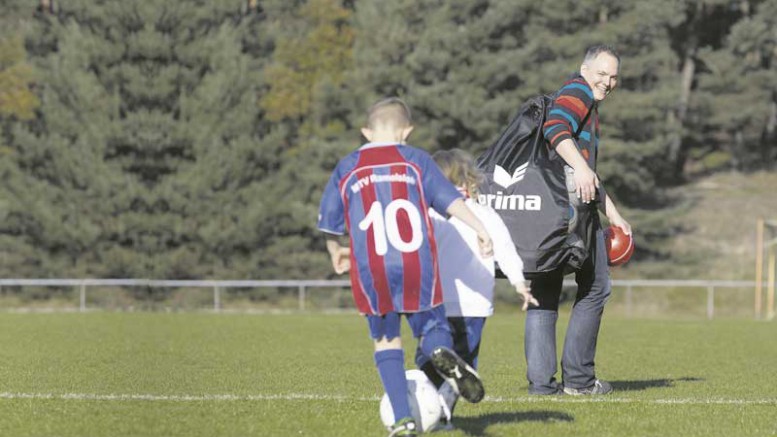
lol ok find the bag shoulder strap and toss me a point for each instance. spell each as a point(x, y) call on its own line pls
point(585, 120)
point(552, 97)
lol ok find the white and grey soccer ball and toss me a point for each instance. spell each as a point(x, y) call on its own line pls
point(423, 399)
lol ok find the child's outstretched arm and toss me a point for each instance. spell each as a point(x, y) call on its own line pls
point(459, 210)
point(508, 259)
point(340, 255)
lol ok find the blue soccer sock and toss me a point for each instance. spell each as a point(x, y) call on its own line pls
point(435, 338)
point(391, 367)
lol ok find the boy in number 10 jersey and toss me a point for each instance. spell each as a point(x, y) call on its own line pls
point(380, 195)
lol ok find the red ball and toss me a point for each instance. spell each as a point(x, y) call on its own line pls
point(619, 246)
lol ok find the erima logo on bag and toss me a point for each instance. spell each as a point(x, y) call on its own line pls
point(503, 179)
point(515, 202)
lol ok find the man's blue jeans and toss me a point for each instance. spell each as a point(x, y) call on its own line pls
point(577, 362)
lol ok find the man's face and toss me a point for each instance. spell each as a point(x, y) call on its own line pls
point(601, 73)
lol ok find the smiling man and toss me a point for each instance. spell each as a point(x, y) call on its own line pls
point(572, 130)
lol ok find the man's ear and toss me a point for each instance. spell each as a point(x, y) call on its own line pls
point(583, 67)
point(406, 132)
point(367, 132)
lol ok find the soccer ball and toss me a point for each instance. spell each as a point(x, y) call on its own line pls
point(620, 246)
point(423, 399)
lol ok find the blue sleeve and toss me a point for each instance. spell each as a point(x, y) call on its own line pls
point(331, 214)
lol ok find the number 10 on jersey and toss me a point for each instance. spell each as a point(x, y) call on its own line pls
point(385, 227)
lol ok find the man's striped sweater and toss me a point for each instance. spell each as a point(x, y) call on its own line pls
point(570, 108)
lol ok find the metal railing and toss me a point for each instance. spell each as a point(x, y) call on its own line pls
point(302, 285)
point(709, 285)
point(216, 285)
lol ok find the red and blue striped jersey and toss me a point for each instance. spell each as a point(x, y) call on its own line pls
point(380, 194)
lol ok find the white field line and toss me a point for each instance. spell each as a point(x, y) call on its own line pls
point(337, 398)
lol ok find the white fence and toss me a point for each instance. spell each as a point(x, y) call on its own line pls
point(82, 285)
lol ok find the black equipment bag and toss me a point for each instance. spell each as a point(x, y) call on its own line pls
point(533, 190)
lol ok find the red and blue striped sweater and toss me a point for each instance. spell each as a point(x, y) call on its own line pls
point(570, 108)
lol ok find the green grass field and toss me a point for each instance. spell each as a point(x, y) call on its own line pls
point(190, 374)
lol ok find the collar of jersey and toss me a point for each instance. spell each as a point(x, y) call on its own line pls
point(383, 144)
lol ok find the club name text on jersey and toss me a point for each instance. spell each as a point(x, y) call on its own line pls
point(515, 202)
point(378, 178)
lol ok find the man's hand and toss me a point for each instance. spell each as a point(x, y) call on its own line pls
point(341, 259)
point(486, 245)
point(620, 222)
point(586, 183)
point(524, 291)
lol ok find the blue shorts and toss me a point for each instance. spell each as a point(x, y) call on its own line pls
point(421, 322)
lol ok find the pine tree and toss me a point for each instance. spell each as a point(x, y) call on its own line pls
point(739, 86)
point(305, 132)
point(458, 65)
point(137, 98)
point(16, 78)
point(18, 104)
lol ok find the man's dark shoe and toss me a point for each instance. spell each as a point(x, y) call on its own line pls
point(463, 378)
point(599, 388)
point(404, 428)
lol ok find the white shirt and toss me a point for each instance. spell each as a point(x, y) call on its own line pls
point(467, 279)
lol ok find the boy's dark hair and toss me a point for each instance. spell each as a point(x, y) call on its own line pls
point(391, 110)
point(592, 52)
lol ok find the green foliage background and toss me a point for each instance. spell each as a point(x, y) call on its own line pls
point(191, 139)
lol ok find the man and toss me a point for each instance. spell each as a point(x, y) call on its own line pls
point(576, 104)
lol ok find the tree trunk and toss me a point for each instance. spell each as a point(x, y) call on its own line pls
point(738, 150)
point(677, 154)
point(768, 143)
point(676, 119)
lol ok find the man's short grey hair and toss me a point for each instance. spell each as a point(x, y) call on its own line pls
point(592, 52)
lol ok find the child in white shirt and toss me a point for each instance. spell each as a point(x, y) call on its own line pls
point(468, 279)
